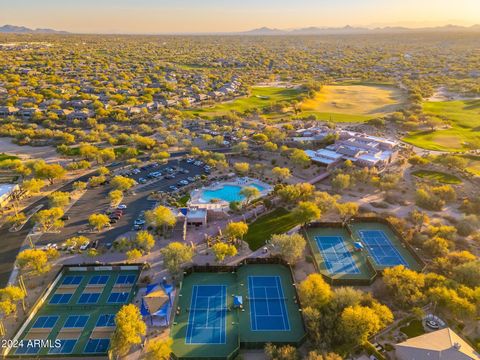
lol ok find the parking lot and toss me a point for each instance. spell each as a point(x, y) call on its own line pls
point(96, 201)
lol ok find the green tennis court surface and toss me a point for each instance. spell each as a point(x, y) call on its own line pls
point(209, 325)
point(76, 315)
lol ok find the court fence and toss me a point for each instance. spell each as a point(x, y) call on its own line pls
point(368, 261)
point(274, 260)
point(345, 281)
point(45, 294)
point(397, 233)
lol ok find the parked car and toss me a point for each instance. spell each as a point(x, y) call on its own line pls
point(65, 218)
point(85, 245)
point(191, 179)
point(142, 180)
point(121, 207)
point(170, 176)
point(190, 160)
point(173, 188)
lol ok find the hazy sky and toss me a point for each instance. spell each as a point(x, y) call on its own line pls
point(164, 16)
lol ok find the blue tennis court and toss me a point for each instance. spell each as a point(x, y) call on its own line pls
point(66, 347)
point(268, 310)
point(381, 248)
point(336, 256)
point(45, 322)
point(98, 280)
point(125, 279)
point(60, 299)
point(106, 320)
point(76, 321)
point(89, 298)
point(207, 321)
point(72, 280)
point(118, 298)
point(97, 346)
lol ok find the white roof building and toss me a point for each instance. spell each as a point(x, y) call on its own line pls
point(443, 344)
point(5, 191)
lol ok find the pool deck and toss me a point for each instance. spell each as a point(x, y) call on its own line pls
point(196, 199)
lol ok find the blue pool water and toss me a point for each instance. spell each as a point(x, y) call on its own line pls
point(227, 193)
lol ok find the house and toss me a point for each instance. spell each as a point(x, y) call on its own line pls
point(80, 115)
point(28, 113)
point(442, 344)
point(6, 192)
point(8, 111)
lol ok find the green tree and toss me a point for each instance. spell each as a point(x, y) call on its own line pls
point(122, 183)
point(50, 172)
point(49, 218)
point(115, 197)
point(358, 323)
point(144, 241)
point(33, 260)
point(159, 349)
point(341, 182)
point(241, 167)
point(98, 221)
point(281, 174)
point(300, 158)
point(129, 329)
point(306, 211)
point(405, 285)
point(222, 250)
point(59, 199)
point(133, 254)
point(33, 186)
point(236, 230)
point(160, 217)
point(250, 192)
point(176, 254)
point(290, 247)
point(314, 291)
point(287, 352)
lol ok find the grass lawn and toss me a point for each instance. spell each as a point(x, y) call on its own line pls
point(464, 119)
point(473, 165)
point(353, 102)
point(7, 157)
point(415, 328)
point(260, 98)
point(184, 199)
point(437, 176)
point(277, 222)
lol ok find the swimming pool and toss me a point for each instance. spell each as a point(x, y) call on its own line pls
point(227, 193)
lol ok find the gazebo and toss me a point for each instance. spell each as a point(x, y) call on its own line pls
point(157, 303)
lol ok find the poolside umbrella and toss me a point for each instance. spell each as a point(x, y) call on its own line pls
point(358, 245)
point(237, 301)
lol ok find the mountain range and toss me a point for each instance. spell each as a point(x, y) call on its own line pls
point(357, 30)
point(12, 29)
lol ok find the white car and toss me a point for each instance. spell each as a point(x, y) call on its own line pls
point(121, 207)
point(85, 245)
